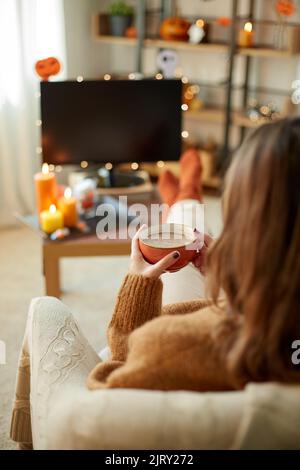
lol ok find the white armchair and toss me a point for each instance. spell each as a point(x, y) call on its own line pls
point(54, 409)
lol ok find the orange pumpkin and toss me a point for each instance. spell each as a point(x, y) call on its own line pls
point(47, 67)
point(131, 32)
point(224, 21)
point(174, 29)
point(285, 7)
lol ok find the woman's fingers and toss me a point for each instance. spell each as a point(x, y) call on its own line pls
point(165, 263)
point(208, 239)
point(199, 261)
point(135, 247)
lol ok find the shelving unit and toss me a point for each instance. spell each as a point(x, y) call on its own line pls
point(225, 116)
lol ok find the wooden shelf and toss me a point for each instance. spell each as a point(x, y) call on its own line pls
point(264, 52)
point(239, 119)
point(217, 115)
point(160, 43)
point(181, 45)
point(116, 40)
point(186, 46)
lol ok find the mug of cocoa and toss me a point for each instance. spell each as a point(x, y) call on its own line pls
point(159, 240)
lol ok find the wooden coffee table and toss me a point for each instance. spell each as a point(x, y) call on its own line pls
point(85, 246)
point(80, 245)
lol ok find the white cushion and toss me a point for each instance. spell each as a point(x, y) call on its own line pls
point(263, 416)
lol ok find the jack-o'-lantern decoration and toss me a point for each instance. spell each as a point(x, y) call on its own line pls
point(285, 7)
point(174, 29)
point(45, 68)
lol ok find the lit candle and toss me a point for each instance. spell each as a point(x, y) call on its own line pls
point(246, 36)
point(67, 205)
point(51, 219)
point(45, 188)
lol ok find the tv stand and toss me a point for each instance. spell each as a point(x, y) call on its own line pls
point(115, 178)
point(115, 181)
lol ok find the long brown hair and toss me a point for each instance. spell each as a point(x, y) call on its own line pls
point(256, 260)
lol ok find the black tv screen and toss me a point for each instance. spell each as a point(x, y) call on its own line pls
point(111, 121)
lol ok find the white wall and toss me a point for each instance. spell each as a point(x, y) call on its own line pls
point(84, 56)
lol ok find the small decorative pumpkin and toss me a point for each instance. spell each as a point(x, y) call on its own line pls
point(45, 68)
point(174, 29)
point(224, 21)
point(131, 32)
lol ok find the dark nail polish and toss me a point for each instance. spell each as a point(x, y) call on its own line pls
point(176, 255)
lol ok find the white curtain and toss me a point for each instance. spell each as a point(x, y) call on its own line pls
point(29, 30)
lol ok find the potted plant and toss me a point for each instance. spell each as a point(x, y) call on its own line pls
point(120, 18)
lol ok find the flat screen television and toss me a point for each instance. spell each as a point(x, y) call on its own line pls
point(111, 121)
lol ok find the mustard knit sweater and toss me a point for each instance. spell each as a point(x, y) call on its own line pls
point(169, 348)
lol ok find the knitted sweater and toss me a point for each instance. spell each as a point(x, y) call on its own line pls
point(169, 348)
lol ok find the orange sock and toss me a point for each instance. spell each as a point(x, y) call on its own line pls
point(190, 176)
point(168, 187)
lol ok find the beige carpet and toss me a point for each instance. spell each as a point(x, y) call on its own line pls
point(89, 284)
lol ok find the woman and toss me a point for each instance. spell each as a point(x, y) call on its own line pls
point(243, 334)
point(248, 336)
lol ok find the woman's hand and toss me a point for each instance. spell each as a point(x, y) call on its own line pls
point(139, 266)
point(199, 260)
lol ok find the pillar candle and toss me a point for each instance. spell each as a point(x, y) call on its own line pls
point(68, 206)
point(51, 219)
point(45, 188)
point(246, 36)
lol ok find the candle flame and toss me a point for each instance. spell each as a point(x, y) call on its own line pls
point(52, 209)
point(68, 193)
point(45, 168)
point(248, 27)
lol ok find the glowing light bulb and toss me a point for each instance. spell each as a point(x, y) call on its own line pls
point(160, 164)
point(195, 89)
point(184, 134)
point(51, 168)
point(52, 209)
point(131, 76)
point(189, 95)
point(185, 80)
point(38, 122)
point(184, 107)
point(84, 164)
point(200, 23)
point(159, 76)
point(79, 78)
point(108, 166)
point(248, 27)
point(178, 72)
point(45, 168)
point(134, 166)
point(107, 77)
